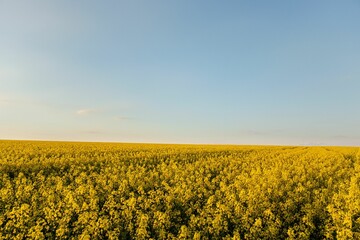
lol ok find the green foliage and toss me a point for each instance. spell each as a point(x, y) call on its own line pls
point(57, 190)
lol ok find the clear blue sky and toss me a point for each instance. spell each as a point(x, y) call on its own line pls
point(242, 72)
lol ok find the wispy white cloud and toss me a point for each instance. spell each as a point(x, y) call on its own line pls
point(84, 112)
point(122, 118)
point(92, 132)
point(262, 132)
point(7, 102)
point(15, 99)
point(8, 73)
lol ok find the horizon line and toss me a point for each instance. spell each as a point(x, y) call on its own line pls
point(180, 143)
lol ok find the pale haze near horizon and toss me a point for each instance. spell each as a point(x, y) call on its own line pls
point(234, 72)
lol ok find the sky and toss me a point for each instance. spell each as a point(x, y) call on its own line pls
point(214, 72)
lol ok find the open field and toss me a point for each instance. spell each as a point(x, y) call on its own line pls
point(104, 190)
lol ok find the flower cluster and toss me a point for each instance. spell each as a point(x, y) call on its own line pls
point(57, 190)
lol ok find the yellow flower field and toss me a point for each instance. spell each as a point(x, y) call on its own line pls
point(63, 190)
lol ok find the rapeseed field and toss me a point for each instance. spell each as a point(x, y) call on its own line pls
point(68, 190)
